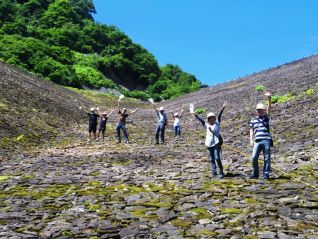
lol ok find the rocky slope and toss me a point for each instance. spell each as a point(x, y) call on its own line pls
point(34, 111)
point(140, 190)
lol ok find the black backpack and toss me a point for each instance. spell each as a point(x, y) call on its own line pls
point(220, 140)
point(220, 143)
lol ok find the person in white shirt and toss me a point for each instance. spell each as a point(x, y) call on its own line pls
point(176, 123)
point(213, 140)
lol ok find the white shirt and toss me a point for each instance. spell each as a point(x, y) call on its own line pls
point(212, 138)
point(176, 121)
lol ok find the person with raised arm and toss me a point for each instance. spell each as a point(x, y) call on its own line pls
point(102, 124)
point(176, 123)
point(121, 123)
point(213, 140)
point(261, 138)
point(92, 122)
point(162, 118)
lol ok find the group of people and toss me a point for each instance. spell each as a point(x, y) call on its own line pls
point(260, 136)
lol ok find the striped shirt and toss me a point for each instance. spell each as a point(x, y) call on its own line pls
point(260, 127)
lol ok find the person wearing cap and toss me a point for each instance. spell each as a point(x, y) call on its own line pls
point(213, 139)
point(121, 124)
point(161, 124)
point(176, 123)
point(260, 138)
point(92, 122)
point(102, 124)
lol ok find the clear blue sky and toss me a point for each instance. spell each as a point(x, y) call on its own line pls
point(217, 40)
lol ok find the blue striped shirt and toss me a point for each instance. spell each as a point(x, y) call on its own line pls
point(260, 127)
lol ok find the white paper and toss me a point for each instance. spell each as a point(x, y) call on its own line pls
point(191, 108)
point(150, 100)
point(268, 94)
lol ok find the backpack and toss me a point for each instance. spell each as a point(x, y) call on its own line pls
point(220, 143)
point(220, 140)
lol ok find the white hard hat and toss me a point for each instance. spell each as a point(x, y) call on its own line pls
point(104, 113)
point(124, 108)
point(210, 115)
point(92, 109)
point(260, 106)
point(176, 114)
point(161, 108)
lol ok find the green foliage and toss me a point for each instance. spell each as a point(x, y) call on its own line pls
point(310, 92)
point(282, 98)
point(91, 77)
point(260, 88)
point(200, 111)
point(59, 40)
point(174, 82)
point(136, 94)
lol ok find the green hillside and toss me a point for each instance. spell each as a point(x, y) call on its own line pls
point(59, 40)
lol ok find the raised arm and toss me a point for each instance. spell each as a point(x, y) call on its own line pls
point(199, 118)
point(181, 113)
point(221, 112)
point(81, 109)
point(269, 106)
point(118, 105)
point(110, 112)
point(154, 107)
point(172, 115)
point(134, 111)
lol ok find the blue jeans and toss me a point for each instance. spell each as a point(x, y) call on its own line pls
point(265, 146)
point(123, 128)
point(177, 131)
point(215, 155)
point(160, 131)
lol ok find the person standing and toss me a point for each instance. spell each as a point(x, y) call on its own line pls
point(177, 124)
point(102, 124)
point(161, 124)
point(92, 122)
point(261, 138)
point(121, 124)
point(213, 139)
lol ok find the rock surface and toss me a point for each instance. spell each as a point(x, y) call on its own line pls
point(142, 190)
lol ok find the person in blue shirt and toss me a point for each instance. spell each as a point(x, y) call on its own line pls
point(161, 125)
point(261, 138)
point(213, 139)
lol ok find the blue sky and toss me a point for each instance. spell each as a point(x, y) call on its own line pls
point(217, 40)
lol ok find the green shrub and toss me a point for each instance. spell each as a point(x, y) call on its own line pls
point(310, 92)
point(89, 76)
point(260, 88)
point(137, 94)
point(200, 111)
point(282, 98)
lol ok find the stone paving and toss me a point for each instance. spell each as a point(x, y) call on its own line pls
point(142, 190)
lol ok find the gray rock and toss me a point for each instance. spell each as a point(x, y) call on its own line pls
point(266, 235)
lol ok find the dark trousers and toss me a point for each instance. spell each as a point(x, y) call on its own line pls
point(214, 154)
point(123, 128)
point(160, 131)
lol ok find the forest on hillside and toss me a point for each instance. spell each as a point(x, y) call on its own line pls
point(59, 40)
